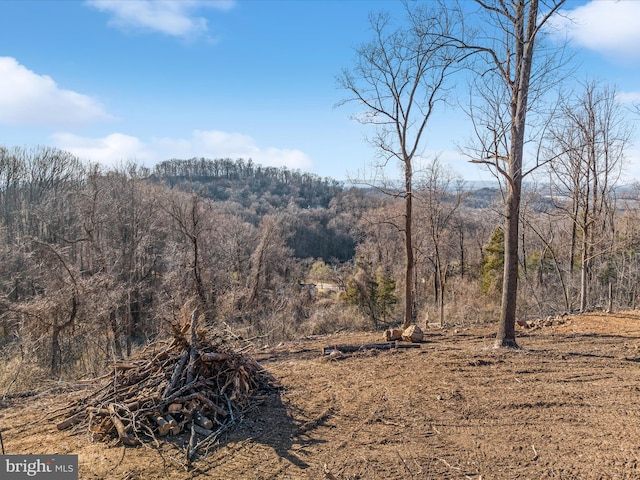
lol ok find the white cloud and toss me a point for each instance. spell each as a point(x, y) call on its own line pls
point(628, 97)
point(118, 147)
point(27, 98)
point(171, 17)
point(110, 150)
point(607, 27)
point(236, 145)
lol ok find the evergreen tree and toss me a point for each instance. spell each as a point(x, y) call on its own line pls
point(373, 295)
point(492, 264)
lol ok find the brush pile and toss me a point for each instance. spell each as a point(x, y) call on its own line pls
point(185, 386)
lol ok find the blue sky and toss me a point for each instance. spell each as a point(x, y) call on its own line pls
point(120, 80)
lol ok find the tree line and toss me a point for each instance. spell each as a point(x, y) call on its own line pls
point(96, 262)
point(249, 184)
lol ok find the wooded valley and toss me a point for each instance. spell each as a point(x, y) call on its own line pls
point(96, 262)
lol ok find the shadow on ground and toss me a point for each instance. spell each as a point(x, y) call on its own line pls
point(274, 432)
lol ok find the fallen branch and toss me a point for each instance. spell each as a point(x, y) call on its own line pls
point(367, 346)
point(73, 420)
point(121, 429)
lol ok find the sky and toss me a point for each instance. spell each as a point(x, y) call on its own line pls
point(147, 81)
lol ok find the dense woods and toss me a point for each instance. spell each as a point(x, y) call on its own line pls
point(96, 262)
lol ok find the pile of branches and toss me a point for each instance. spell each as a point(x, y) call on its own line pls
point(186, 386)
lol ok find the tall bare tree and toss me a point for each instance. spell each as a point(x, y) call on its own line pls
point(398, 79)
point(505, 47)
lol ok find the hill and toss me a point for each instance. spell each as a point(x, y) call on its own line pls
point(249, 184)
point(317, 217)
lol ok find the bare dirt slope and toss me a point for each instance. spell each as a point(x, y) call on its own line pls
point(565, 407)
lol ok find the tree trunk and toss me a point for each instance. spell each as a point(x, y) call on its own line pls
point(408, 244)
point(55, 349)
point(441, 300)
point(525, 29)
point(574, 234)
point(113, 322)
point(506, 336)
point(197, 277)
point(462, 258)
point(584, 278)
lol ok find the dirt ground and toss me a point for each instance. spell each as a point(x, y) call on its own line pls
point(564, 407)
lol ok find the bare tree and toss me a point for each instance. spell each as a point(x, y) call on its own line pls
point(592, 134)
point(439, 196)
point(399, 77)
point(505, 50)
point(270, 253)
point(190, 223)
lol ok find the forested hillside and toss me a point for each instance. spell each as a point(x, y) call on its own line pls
point(253, 191)
point(96, 261)
point(252, 186)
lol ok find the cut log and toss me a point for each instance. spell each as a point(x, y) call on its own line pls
point(175, 428)
point(392, 335)
point(103, 427)
point(205, 432)
point(164, 427)
point(367, 346)
point(201, 420)
point(205, 401)
point(413, 334)
point(214, 357)
point(137, 404)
